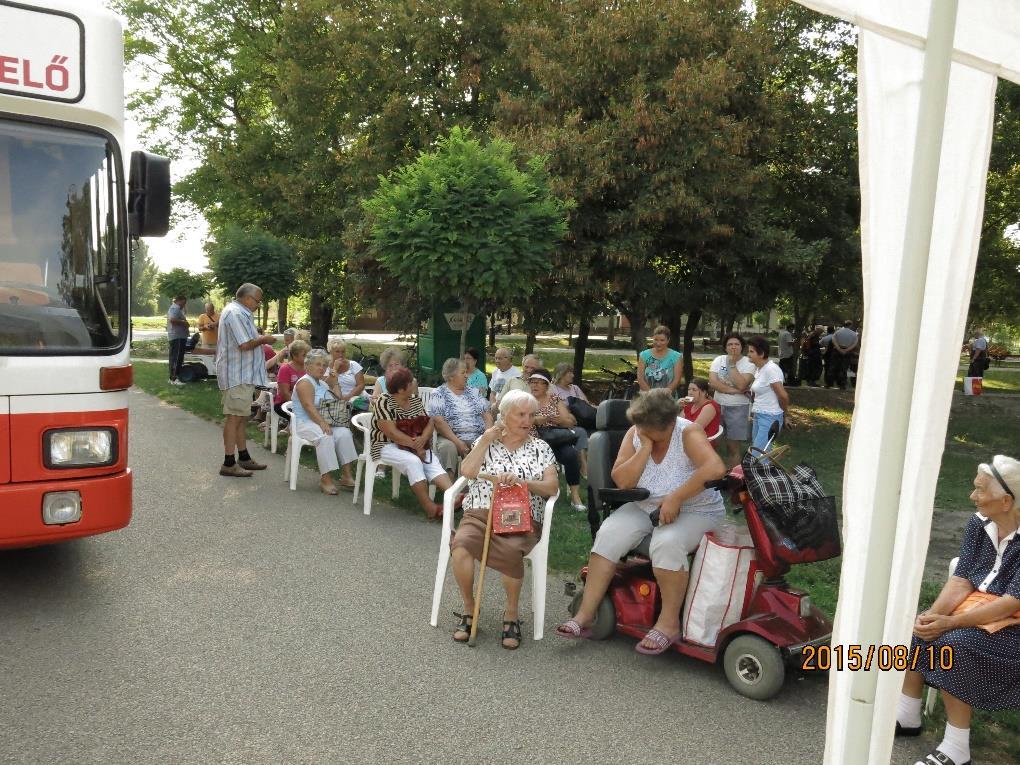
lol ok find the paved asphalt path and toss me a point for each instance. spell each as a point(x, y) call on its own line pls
point(237, 622)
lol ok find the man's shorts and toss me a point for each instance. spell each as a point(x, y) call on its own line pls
point(237, 400)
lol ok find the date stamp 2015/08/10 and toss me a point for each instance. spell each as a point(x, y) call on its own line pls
point(855, 658)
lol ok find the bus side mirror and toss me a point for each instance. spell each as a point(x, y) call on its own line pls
point(149, 195)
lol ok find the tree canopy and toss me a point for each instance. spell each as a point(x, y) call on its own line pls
point(464, 222)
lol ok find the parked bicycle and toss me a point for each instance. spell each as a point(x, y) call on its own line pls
point(623, 384)
point(369, 362)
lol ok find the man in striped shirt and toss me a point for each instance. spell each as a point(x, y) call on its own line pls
point(240, 366)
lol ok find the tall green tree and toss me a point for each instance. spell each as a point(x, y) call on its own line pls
point(464, 221)
point(181, 282)
point(144, 274)
point(995, 298)
point(238, 256)
point(654, 118)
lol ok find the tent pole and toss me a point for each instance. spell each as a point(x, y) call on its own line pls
point(854, 746)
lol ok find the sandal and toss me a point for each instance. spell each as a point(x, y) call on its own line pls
point(331, 491)
point(511, 631)
point(662, 642)
point(571, 630)
point(464, 626)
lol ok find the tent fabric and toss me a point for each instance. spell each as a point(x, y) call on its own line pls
point(889, 93)
point(986, 44)
point(987, 31)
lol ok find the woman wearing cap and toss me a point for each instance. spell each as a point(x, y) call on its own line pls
point(564, 387)
point(553, 413)
point(985, 665)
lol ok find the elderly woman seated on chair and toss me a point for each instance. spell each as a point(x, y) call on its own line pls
point(459, 412)
point(672, 458)
point(411, 455)
point(508, 454)
point(334, 445)
point(975, 621)
point(390, 360)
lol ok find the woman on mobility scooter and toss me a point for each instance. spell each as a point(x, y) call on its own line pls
point(672, 458)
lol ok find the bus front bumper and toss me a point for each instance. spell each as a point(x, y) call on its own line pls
point(105, 506)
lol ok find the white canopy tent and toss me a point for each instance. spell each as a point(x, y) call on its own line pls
point(927, 77)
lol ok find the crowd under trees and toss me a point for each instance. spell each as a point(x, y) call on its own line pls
point(703, 152)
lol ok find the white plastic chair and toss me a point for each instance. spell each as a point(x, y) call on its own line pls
point(538, 557)
point(273, 423)
point(294, 445)
point(933, 693)
point(367, 465)
point(718, 434)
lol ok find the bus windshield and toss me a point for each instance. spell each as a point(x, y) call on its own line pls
point(63, 260)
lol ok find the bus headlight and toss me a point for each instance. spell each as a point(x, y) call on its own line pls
point(67, 448)
point(60, 507)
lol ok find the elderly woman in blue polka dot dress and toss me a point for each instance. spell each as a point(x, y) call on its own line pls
point(985, 669)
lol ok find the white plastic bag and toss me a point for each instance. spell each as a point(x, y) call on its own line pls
point(721, 585)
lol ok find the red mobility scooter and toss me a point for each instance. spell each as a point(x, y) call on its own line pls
point(777, 621)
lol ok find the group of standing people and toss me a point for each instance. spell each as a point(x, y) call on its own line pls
point(827, 353)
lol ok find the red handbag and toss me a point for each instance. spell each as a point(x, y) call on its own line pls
point(413, 427)
point(511, 510)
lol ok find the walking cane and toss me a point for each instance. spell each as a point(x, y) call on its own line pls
point(481, 574)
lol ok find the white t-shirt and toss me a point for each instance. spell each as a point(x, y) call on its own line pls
point(349, 378)
point(500, 378)
point(721, 367)
point(765, 399)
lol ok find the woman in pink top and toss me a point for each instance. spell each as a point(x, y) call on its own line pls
point(290, 373)
point(699, 408)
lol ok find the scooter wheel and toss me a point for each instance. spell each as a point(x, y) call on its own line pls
point(605, 617)
point(754, 667)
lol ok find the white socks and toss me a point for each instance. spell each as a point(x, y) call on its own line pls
point(908, 712)
point(956, 744)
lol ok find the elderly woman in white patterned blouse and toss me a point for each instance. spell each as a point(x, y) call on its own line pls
point(459, 413)
point(672, 458)
point(509, 454)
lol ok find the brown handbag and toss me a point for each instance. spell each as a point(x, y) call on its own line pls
point(511, 510)
point(414, 427)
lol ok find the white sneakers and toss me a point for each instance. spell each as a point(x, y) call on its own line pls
point(177, 382)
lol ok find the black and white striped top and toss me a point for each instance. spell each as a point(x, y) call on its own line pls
point(386, 408)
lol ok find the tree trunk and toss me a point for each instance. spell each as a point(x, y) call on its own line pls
point(728, 322)
point(611, 332)
point(570, 333)
point(281, 314)
point(693, 318)
point(493, 318)
point(322, 320)
point(675, 327)
point(580, 347)
point(529, 341)
point(637, 331)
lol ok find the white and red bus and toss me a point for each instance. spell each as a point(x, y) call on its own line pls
point(65, 223)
